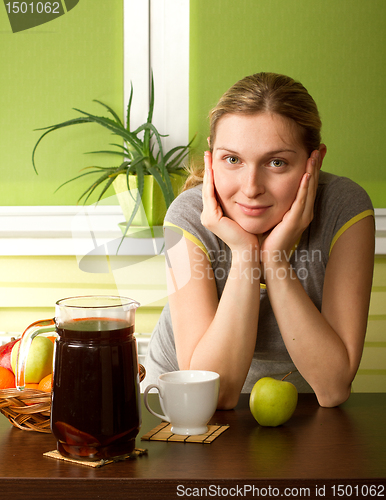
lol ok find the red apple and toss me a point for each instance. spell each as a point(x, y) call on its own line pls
point(5, 354)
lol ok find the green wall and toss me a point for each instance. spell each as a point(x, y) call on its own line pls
point(336, 48)
point(47, 71)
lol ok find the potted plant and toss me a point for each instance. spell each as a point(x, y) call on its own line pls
point(146, 177)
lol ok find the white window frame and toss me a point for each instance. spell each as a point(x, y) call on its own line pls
point(156, 39)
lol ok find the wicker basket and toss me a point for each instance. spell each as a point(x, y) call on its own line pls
point(28, 410)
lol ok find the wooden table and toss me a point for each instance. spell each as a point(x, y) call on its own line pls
point(319, 452)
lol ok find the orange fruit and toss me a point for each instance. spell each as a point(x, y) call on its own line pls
point(7, 378)
point(31, 386)
point(46, 383)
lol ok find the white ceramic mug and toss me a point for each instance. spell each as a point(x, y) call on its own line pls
point(188, 399)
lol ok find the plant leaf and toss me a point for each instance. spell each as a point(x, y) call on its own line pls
point(176, 162)
point(92, 188)
point(81, 175)
point(161, 164)
point(117, 119)
point(151, 103)
point(132, 170)
point(157, 176)
point(151, 127)
point(89, 118)
point(129, 107)
point(184, 150)
point(119, 153)
point(147, 131)
point(122, 147)
point(116, 129)
point(106, 187)
point(51, 128)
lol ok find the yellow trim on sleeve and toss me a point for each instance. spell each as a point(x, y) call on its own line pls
point(357, 218)
point(188, 236)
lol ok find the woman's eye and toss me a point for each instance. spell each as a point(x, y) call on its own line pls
point(233, 160)
point(277, 163)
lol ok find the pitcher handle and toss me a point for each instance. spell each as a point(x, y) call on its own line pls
point(41, 326)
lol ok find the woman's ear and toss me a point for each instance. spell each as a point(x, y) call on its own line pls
point(208, 140)
point(322, 153)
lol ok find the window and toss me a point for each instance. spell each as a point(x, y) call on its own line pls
point(156, 38)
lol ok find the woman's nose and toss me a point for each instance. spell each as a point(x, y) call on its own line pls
point(253, 183)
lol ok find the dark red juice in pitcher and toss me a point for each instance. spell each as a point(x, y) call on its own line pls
point(96, 399)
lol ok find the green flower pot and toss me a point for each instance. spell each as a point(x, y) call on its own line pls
point(153, 208)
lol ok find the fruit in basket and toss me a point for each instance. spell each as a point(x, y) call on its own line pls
point(45, 384)
point(272, 402)
point(39, 359)
point(7, 378)
point(5, 354)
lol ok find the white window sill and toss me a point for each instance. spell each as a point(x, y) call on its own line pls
point(68, 230)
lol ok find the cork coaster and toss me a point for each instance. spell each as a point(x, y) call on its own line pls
point(163, 433)
point(88, 463)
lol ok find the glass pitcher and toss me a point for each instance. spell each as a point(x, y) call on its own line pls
point(96, 410)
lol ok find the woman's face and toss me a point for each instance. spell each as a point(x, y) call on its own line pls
point(258, 163)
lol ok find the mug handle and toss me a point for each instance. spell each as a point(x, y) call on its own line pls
point(145, 394)
point(41, 326)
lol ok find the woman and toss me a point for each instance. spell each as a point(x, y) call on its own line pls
point(270, 260)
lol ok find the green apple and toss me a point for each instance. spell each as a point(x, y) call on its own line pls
point(39, 359)
point(272, 402)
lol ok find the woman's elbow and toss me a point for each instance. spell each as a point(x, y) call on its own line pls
point(334, 398)
point(227, 399)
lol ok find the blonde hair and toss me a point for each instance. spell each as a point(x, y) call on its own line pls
point(265, 93)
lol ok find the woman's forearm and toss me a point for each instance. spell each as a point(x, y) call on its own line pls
point(315, 348)
point(228, 345)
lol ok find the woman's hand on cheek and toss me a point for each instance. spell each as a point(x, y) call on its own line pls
point(286, 234)
point(213, 217)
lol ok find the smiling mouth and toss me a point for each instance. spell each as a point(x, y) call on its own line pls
point(253, 210)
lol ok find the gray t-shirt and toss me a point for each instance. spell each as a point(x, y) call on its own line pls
point(339, 203)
